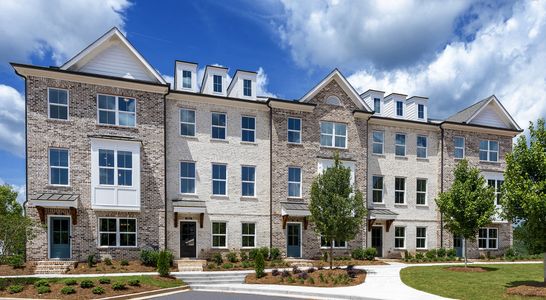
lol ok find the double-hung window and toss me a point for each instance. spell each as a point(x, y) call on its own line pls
point(400, 144)
point(57, 100)
point(219, 179)
point(294, 182)
point(421, 197)
point(458, 143)
point(497, 186)
point(248, 181)
point(400, 237)
point(377, 189)
point(187, 177)
point(247, 87)
point(248, 235)
point(488, 238)
point(399, 190)
point(58, 166)
point(421, 238)
point(219, 125)
point(186, 79)
point(187, 122)
point(108, 168)
point(377, 105)
point(294, 130)
point(117, 232)
point(333, 134)
point(125, 168)
point(248, 129)
point(114, 110)
point(337, 244)
point(378, 142)
point(420, 111)
point(217, 83)
point(219, 234)
point(400, 108)
point(489, 151)
point(422, 145)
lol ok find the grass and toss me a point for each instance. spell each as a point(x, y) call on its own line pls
point(459, 285)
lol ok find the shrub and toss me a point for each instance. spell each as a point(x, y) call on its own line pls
point(265, 252)
point(118, 286)
point(321, 278)
point(441, 252)
point(285, 274)
point(107, 261)
point(302, 275)
point(14, 289)
point(252, 253)
point(246, 264)
point(325, 256)
point(311, 270)
point(510, 253)
point(41, 282)
point(275, 253)
point(451, 252)
point(98, 290)
point(163, 263)
point(133, 282)
point(43, 290)
point(70, 281)
point(259, 265)
point(86, 284)
point(227, 266)
point(291, 280)
point(419, 256)
point(124, 262)
point(370, 253)
point(16, 261)
point(217, 258)
point(275, 272)
point(295, 270)
point(104, 280)
point(67, 290)
point(358, 254)
point(243, 255)
point(430, 254)
point(232, 257)
point(149, 257)
point(91, 261)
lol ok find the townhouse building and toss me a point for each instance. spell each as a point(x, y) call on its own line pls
point(118, 160)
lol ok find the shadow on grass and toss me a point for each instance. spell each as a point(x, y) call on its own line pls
point(461, 268)
point(525, 283)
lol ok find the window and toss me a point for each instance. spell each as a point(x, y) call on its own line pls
point(487, 238)
point(377, 105)
point(399, 237)
point(117, 232)
point(420, 111)
point(186, 79)
point(294, 182)
point(219, 126)
point(337, 244)
point(421, 238)
point(247, 87)
point(422, 146)
point(333, 134)
point(219, 179)
point(118, 111)
point(489, 150)
point(108, 167)
point(399, 108)
point(249, 235)
point(400, 144)
point(125, 168)
point(187, 177)
point(217, 83)
point(58, 104)
point(459, 147)
point(377, 142)
point(187, 122)
point(58, 167)
point(399, 190)
point(248, 179)
point(377, 189)
point(333, 100)
point(421, 198)
point(497, 186)
point(219, 235)
point(248, 125)
point(294, 130)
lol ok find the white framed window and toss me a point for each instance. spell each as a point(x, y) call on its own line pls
point(489, 151)
point(59, 166)
point(294, 130)
point(399, 190)
point(377, 105)
point(187, 122)
point(219, 235)
point(459, 145)
point(333, 100)
point(421, 188)
point(117, 111)
point(378, 142)
point(247, 87)
point(248, 181)
point(248, 235)
point(219, 179)
point(420, 111)
point(400, 144)
point(421, 238)
point(219, 125)
point(496, 184)
point(112, 162)
point(400, 108)
point(399, 237)
point(248, 129)
point(377, 189)
point(57, 101)
point(422, 146)
point(117, 232)
point(337, 244)
point(187, 177)
point(186, 79)
point(488, 239)
point(294, 182)
point(217, 83)
point(333, 134)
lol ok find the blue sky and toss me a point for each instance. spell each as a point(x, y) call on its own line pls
point(455, 52)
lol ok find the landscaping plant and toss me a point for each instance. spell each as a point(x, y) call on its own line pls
point(265, 252)
point(149, 257)
point(69, 282)
point(124, 262)
point(43, 290)
point(163, 263)
point(14, 289)
point(232, 257)
point(259, 265)
point(217, 258)
point(67, 290)
point(275, 253)
point(118, 286)
point(104, 280)
point(41, 282)
point(15, 227)
point(91, 261)
point(86, 284)
point(16, 261)
point(98, 290)
point(133, 282)
point(107, 261)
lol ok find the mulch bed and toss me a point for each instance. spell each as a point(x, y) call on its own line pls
point(328, 280)
point(116, 267)
point(352, 262)
point(467, 269)
point(534, 289)
point(6, 270)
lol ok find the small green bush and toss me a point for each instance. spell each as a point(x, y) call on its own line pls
point(124, 262)
point(41, 282)
point(275, 253)
point(118, 286)
point(419, 256)
point(441, 252)
point(291, 279)
point(510, 253)
point(232, 257)
point(98, 290)
point(259, 265)
point(149, 257)
point(370, 253)
point(265, 252)
point(70, 281)
point(104, 280)
point(430, 254)
point(107, 261)
point(227, 266)
point(217, 258)
point(67, 290)
point(91, 261)
point(358, 254)
point(246, 264)
point(43, 290)
point(325, 256)
point(133, 282)
point(243, 255)
point(310, 280)
point(14, 289)
point(86, 284)
point(163, 263)
point(451, 252)
point(252, 253)
point(16, 261)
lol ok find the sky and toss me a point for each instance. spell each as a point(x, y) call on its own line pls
point(455, 52)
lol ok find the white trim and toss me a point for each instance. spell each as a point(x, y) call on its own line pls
point(116, 111)
point(180, 177)
point(196, 234)
point(382, 238)
point(224, 180)
point(404, 191)
point(300, 182)
point(248, 235)
point(212, 234)
point(382, 189)
point(67, 105)
point(377, 143)
point(463, 147)
point(49, 166)
point(246, 181)
point(218, 126)
point(424, 111)
point(417, 192)
point(489, 151)
point(293, 130)
point(335, 242)
point(180, 122)
point(487, 238)
point(417, 237)
point(49, 227)
point(494, 99)
point(405, 144)
point(396, 109)
point(118, 232)
point(395, 237)
point(300, 239)
point(420, 147)
point(247, 129)
point(333, 135)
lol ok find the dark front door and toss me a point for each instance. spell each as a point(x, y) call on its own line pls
point(377, 240)
point(293, 243)
point(187, 239)
point(458, 246)
point(59, 237)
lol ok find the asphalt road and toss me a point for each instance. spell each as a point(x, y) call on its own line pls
point(191, 295)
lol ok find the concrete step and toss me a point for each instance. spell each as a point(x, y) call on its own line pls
point(53, 266)
point(214, 281)
point(190, 265)
point(212, 278)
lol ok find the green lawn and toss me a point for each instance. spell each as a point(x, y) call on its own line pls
point(459, 285)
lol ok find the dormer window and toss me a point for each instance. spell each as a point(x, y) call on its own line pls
point(333, 100)
point(186, 79)
point(377, 105)
point(217, 83)
point(247, 87)
point(420, 111)
point(400, 108)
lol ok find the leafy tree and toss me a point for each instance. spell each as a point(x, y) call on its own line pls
point(524, 188)
point(337, 208)
point(15, 228)
point(468, 205)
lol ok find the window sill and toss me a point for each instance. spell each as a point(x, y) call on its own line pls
point(399, 249)
point(248, 247)
point(189, 137)
point(112, 126)
point(401, 204)
point(62, 186)
point(52, 120)
point(379, 155)
point(423, 159)
point(294, 198)
point(490, 162)
point(335, 248)
point(224, 247)
point(294, 144)
point(378, 203)
point(193, 195)
point(219, 141)
point(421, 205)
point(400, 157)
point(249, 143)
point(488, 249)
point(249, 198)
point(220, 197)
point(117, 247)
point(333, 148)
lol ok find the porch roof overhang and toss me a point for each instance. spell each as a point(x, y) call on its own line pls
point(382, 214)
point(189, 206)
point(55, 200)
point(294, 209)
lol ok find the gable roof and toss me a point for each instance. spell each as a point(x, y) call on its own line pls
point(108, 48)
point(469, 114)
point(343, 83)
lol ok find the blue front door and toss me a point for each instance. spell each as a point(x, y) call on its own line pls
point(59, 237)
point(458, 246)
point(293, 240)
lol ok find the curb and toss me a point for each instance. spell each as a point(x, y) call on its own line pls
point(144, 295)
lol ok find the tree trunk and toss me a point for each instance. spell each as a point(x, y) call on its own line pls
point(331, 255)
point(544, 268)
point(465, 256)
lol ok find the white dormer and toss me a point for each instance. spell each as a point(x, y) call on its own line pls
point(374, 99)
point(395, 106)
point(185, 76)
point(243, 85)
point(417, 108)
point(215, 81)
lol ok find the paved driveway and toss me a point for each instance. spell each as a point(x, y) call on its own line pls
point(191, 295)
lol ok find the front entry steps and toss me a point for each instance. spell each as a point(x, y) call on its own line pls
point(54, 266)
point(190, 265)
point(298, 262)
point(205, 279)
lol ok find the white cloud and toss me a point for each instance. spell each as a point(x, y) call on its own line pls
point(169, 79)
point(261, 84)
point(12, 120)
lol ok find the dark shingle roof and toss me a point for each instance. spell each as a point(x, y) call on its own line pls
point(56, 197)
point(189, 203)
point(465, 114)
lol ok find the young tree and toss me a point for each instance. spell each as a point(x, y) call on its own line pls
point(524, 188)
point(15, 229)
point(468, 205)
point(337, 208)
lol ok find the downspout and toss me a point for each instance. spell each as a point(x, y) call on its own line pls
point(270, 176)
point(165, 161)
point(366, 181)
point(441, 184)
